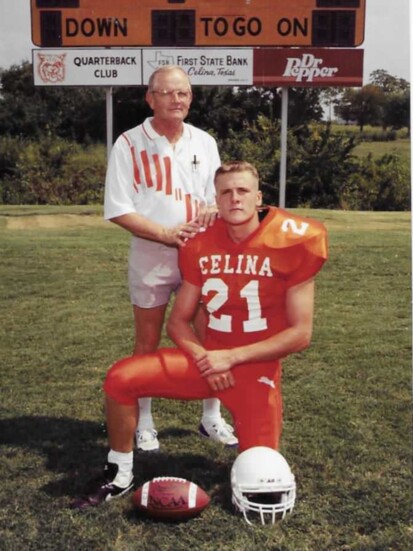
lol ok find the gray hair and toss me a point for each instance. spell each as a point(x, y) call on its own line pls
point(164, 69)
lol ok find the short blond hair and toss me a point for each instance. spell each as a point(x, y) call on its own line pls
point(236, 166)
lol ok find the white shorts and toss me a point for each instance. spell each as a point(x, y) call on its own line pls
point(153, 273)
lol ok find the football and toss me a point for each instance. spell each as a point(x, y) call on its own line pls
point(170, 498)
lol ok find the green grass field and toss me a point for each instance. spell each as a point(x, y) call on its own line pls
point(399, 147)
point(65, 317)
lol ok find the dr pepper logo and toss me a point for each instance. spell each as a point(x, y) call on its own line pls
point(307, 67)
point(52, 68)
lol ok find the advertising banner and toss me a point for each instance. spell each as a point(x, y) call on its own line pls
point(273, 67)
point(205, 66)
point(87, 67)
point(297, 67)
point(133, 67)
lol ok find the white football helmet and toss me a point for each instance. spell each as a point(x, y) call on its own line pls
point(262, 482)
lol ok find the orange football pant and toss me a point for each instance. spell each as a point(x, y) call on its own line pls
point(255, 402)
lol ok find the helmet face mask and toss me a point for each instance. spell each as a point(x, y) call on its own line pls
point(262, 485)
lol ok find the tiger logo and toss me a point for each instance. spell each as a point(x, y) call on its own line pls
point(52, 68)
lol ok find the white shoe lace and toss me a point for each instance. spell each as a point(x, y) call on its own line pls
point(147, 435)
point(225, 430)
point(222, 431)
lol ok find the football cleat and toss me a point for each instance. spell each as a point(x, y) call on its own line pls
point(147, 440)
point(219, 431)
point(105, 490)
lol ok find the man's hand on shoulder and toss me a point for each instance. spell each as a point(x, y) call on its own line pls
point(207, 215)
point(179, 235)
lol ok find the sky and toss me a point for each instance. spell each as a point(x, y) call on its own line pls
point(386, 45)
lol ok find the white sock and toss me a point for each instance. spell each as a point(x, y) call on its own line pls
point(145, 414)
point(211, 410)
point(124, 461)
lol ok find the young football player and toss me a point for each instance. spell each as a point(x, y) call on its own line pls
point(253, 271)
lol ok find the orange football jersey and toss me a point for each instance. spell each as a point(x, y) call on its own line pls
point(244, 284)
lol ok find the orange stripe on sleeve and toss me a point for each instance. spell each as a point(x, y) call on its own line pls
point(168, 173)
point(158, 172)
point(136, 173)
point(188, 206)
point(146, 168)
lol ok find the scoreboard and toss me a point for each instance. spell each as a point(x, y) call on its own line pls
point(197, 23)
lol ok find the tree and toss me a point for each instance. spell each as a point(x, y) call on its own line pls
point(396, 111)
point(28, 110)
point(78, 113)
point(396, 107)
point(304, 106)
point(378, 184)
point(258, 143)
point(218, 109)
point(320, 164)
point(364, 105)
point(223, 109)
point(129, 108)
point(388, 83)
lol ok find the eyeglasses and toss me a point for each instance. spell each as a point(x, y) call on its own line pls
point(182, 94)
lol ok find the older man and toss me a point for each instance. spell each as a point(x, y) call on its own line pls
point(159, 187)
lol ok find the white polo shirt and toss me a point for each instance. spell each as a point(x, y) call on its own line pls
point(166, 184)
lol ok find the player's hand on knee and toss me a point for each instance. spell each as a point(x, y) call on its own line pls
point(214, 362)
point(221, 381)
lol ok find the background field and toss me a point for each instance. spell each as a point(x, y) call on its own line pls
point(377, 147)
point(65, 317)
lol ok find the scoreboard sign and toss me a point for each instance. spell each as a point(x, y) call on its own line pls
point(197, 23)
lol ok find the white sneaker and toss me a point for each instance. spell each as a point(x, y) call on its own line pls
point(220, 431)
point(147, 440)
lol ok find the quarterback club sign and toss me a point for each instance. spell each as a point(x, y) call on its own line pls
point(98, 67)
point(307, 67)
